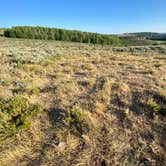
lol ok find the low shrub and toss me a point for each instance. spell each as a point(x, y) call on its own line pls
point(14, 115)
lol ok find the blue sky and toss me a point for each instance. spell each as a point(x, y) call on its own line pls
point(104, 16)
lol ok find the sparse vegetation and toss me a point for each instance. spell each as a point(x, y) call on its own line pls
point(102, 105)
point(77, 121)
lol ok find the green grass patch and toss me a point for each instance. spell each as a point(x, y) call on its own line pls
point(31, 90)
point(156, 108)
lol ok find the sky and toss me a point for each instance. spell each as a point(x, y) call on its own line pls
point(103, 16)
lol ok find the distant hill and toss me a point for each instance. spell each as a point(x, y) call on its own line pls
point(147, 35)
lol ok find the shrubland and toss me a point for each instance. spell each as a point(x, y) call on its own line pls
point(64, 103)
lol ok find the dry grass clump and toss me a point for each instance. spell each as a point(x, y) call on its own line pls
point(76, 124)
point(76, 121)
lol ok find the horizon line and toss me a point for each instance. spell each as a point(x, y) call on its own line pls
point(85, 30)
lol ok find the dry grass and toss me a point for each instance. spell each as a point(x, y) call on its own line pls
point(98, 102)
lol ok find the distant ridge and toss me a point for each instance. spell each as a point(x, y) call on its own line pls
point(147, 35)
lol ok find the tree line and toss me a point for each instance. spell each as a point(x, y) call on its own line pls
point(45, 33)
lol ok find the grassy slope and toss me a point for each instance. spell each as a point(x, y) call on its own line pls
point(95, 100)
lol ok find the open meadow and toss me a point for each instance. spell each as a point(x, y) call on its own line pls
point(64, 103)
